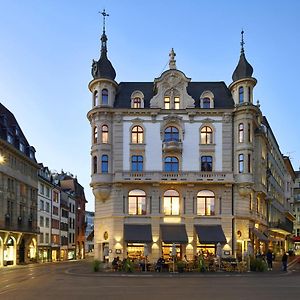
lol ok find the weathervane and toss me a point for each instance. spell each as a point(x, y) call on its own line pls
point(104, 14)
point(242, 41)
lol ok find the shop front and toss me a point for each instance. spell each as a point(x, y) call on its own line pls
point(44, 254)
point(260, 241)
point(173, 235)
point(208, 238)
point(138, 238)
point(10, 252)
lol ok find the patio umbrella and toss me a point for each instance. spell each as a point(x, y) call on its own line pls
point(219, 250)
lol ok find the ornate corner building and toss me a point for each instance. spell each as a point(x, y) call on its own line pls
point(182, 163)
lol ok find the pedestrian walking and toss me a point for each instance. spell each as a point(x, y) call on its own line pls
point(284, 260)
point(269, 257)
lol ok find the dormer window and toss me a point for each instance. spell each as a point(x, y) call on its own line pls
point(176, 102)
point(137, 102)
point(104, 97)
point(206, 103)
point(241, 94)
point(137, 99)
point(10, 138)
point(22, 147)
point(167, 103)
point(207, 100)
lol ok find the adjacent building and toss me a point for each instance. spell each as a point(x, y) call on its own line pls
point(89, 231)
point(184, 164)
point(296, 238)
point(18, 193)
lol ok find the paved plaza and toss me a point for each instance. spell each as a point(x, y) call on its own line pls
point(76, 280)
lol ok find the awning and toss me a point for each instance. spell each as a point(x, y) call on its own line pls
point(137, 233)
point(260, 235)
point(210, 234)
point(173, 233)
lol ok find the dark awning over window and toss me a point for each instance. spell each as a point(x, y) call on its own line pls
point(210, 234)
point(173, 233)
point(260, 235)
point(137, 233)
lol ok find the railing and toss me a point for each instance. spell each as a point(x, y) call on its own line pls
point(286, 226)
point(175, 176)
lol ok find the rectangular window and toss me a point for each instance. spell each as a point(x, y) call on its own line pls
point(47, 207)
point(206, 163)
point(23, 190)
point(249, 133)
point(47, 191)
point(177, 103)
point(47, 238)
point(41, 221)
point(55, 196)
point(42, 205)
point(167, 102)
point(55, 210)
point(171, 206)
point(136, 205)
point(41, 237)
point(137, 163)
point(205, 206)
point(47, 222)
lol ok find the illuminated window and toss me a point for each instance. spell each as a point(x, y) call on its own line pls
point(137, 163)
point(241, 94)
point(95, 98)
point(95, 134)
point(137, 102)
point(137, 202)
point(206, 203)
point(171, 203)
point(95, 164)
point(167, 103)
point(206, 103)
point(206, 135)
point(176, 102)
point(104, 163)
point(104, 134)
point(171, 164)
point(55, 196)
point(241, 133)
point(137, 135)
point(241, 163)
point(105, 96)
point(206, 163)
point(171, 134)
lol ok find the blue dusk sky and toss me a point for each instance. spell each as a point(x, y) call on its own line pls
point(47, 48)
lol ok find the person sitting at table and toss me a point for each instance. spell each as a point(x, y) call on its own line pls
point(159, 264)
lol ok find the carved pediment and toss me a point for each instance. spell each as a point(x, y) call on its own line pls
point(172, 83)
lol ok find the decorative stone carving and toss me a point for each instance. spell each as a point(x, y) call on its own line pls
point(102, 193)
point(227, 117)
point(245, 190)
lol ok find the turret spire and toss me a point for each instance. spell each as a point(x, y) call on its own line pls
point(103, 67)
point(243, 69)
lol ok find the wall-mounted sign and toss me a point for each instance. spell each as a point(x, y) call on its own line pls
point(118, 251)
point(226, 252)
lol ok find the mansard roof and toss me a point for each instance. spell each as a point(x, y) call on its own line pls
point(10, 126)
point(222, 95)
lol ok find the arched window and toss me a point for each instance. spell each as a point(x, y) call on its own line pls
point(136, 202)
point(171, 164)
point(95, 98)
point(105, 96)
point(95, 135)
point(171, 203)
point(104, 163)
point(167, 103)
point(241, 94)
point(95, 162)
point(176, 102)
point(241, 163)
point(206, 135)
point(171, 134)
point(241, 133)
point(206, 203)
point(137, 135)
point(206, 163)
point(104, 134)
point(137, 163)
point(137, 102)
point(206, 103)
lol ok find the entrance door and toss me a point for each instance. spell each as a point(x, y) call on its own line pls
point(22, 252)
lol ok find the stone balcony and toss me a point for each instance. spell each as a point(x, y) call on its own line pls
point(172, 146)
point(161, 177)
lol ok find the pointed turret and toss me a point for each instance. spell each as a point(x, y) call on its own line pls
point(243, 69)
point(103, 67)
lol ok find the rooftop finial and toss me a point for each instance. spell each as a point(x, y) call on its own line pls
point(242, 42)
point(172, 61)
point(104, 14)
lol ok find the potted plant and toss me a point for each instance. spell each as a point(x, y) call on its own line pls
point(180, 266)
